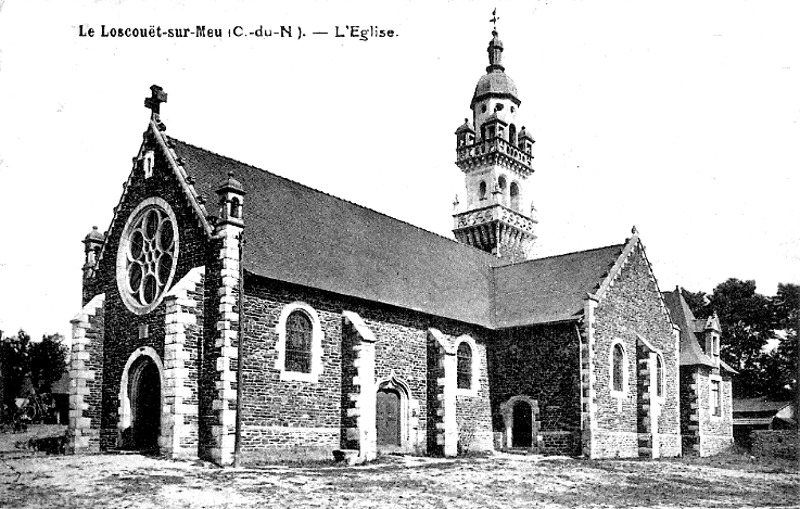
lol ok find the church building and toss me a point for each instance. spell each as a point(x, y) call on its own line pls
point(229, 313)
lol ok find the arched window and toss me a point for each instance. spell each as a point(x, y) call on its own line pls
point(298, 342)
point(501, 183)
point(512, 134)
point(514, 192)
point(482, 190)
point(464, 366)
point(617, 368)
point(659, 376)
point(235, 208)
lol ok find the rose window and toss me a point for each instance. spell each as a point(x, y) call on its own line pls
point(146, 259)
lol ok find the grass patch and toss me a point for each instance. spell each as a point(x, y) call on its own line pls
point(740, 459)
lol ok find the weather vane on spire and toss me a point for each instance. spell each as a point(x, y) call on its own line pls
point(494, 19)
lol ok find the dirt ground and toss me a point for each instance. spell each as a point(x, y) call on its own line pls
point(502, 480)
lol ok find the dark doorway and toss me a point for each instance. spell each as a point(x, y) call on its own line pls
point(145, 394)
point(388, 418)
point(521, 432)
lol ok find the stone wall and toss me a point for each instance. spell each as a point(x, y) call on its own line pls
point(776, 443)
point(273, 406)
point(542, 363)
point(184, 335)
point(86, 377)
point(124, 330)
point(703, 433)
point(632, 307)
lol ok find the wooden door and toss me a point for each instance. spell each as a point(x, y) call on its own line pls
point(388, 418)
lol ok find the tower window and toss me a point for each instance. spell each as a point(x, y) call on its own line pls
point(501, 184)
point(514, 192)
point(512, 134)
point(483, 108)
point(482, 190)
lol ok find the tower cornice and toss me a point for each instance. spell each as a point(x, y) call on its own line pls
point(494, 151)
point(498, 230)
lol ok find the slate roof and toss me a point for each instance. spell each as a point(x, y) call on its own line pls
point(682, 316)
point(495, 84)
point(550, 289)
point(303, 236)
point(300, 235)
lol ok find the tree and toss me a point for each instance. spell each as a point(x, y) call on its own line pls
point(747, 324)
point(750, 324)
point(14, 364)
point(47, 361)
point(698, 302)
point(786, 305)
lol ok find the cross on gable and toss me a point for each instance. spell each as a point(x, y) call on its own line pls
point(154, 101)
point(494, 19)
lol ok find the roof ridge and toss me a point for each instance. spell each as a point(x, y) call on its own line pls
point(454, 241)
point(558, 255)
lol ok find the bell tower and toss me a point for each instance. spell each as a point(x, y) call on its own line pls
point(495, 156)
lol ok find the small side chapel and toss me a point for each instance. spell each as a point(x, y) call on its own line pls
point(229, 313)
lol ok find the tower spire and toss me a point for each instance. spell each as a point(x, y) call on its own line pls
point(495, 51)
point(496, 158)
point(495, 48)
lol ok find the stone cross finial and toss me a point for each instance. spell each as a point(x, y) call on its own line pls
point(154, 101)
point(494, 19)
point(455, 204)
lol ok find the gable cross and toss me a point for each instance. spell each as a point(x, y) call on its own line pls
point(154, 101)
point(494, 19)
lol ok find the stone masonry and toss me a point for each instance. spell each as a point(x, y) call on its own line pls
point(86, 377)
point(183, 319)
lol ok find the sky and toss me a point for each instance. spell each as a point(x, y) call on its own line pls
point(679, 117)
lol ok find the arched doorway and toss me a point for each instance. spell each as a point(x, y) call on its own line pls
point(393, 416)
point(521, 421)
point(144, 387)
point(387, 419)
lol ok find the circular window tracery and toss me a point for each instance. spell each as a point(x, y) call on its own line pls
point(146, 257)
